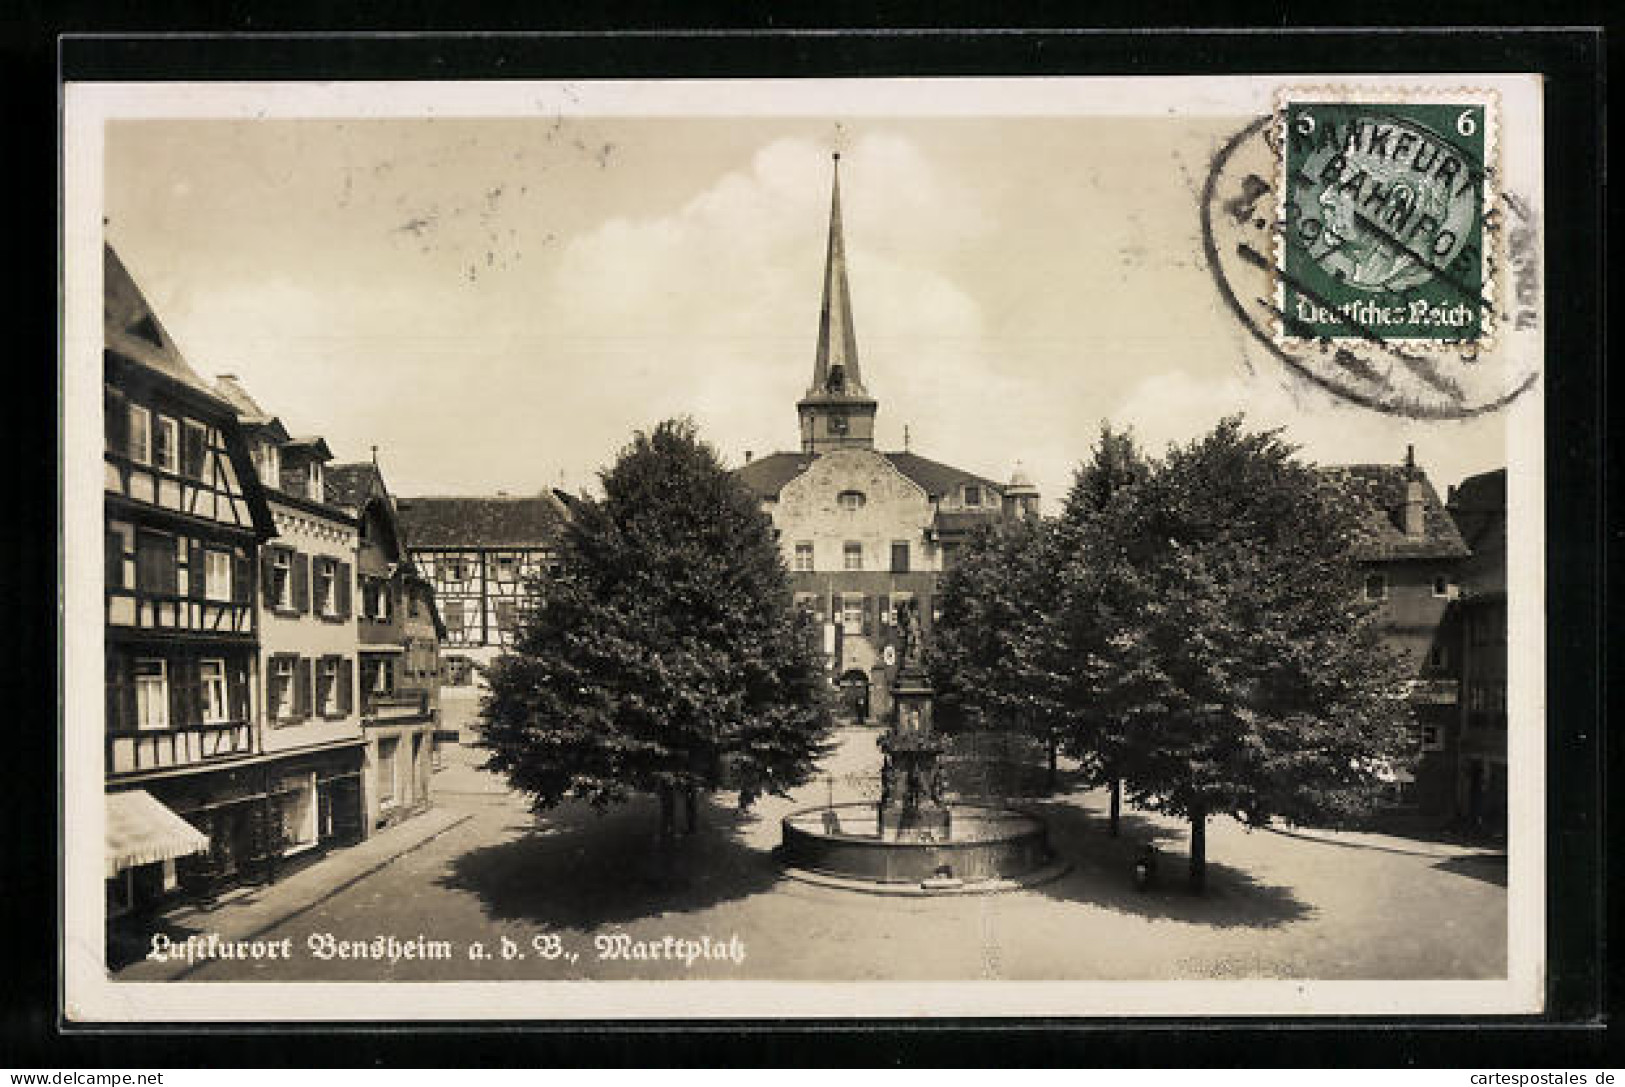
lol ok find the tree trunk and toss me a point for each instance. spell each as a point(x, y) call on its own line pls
point(1198, 850)
point(1117, 805)
point(691, 810)
point(668, 815)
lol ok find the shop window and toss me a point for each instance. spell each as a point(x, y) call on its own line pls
point(216, 702)
point(151, 693)
point(804, 555)
point(387, 748)
point(296, 805)
point(852, 556)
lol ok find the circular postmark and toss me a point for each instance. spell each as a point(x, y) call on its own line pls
point(1342, 311)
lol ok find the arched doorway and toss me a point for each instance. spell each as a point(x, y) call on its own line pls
point(855, 695)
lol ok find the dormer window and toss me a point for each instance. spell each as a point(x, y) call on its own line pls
point(973, 496)
point(315, 481)
point(851, 500)
point(270, 464)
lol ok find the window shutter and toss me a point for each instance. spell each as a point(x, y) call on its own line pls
point(117, 414)
point(196, 577)
point(346, 686)
point(270, 690)
point(180, 710)
point(193, 451)
point(268, 575)
point(242, 586)
point(341, 578)
point(301, 582)
point(115, 560)
point(301, 688)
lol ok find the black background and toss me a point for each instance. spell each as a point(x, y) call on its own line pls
point(302, 41)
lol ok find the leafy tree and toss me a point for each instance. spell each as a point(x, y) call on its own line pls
point(995, 657)
point(666, 657)
point(1084, 602)
point(1252, 680)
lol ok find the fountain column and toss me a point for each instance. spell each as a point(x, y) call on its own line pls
point(911, 790)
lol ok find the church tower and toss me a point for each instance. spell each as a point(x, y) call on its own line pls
point(837, 412)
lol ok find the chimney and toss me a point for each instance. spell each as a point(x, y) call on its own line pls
point(1412, 518)
point(502, 494)
point(748, 455)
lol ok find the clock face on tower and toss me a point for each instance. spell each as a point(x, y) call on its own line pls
point(837, 424)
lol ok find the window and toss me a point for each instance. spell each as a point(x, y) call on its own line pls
point(386, 770)
point(327, 687)
point(282, 671)
point(212, 678)
point(383, 676)
point(166, 444)
point(155, 564)
point(1376, 587)
point(414, 604)
point(326, 591)
point(118, 543)
point(151, 693)
point(140, 434)
point(507, 567)
point(313, 481)
point(852, 614)
point(1438, 655)
point(1430, 736)
point(899, 556)
point(852, 556)
point(375, 599)
point(217, 575)
point(804, 555)
point(452, 569)
point(1441, 585)
point(296, 810)
point(505, 614)
point(268, 463)
point(973, 496)
point(451, 614)
point(851, 500)
point(197, 444)
point(280, 589)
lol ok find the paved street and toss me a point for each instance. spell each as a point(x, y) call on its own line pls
point(1280, 905)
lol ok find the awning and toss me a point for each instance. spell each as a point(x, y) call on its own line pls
point(140, 830)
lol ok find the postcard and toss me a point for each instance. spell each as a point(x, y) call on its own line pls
point(803, 549)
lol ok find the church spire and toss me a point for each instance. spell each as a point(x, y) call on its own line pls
point(835, 369)
point(837, 411)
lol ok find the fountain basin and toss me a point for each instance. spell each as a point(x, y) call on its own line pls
point(985, 844)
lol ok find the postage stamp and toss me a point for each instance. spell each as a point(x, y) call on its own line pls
point(1383, 231)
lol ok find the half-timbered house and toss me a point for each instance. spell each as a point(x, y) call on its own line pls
point(186, 779)
point(482, 556)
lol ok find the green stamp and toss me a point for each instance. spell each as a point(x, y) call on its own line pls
point(1383, 224)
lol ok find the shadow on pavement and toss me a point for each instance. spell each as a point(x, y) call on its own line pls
point(579, 869)
point(1491, 868)
point(1103, 874)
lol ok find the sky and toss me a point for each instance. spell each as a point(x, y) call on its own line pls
point(497, 304)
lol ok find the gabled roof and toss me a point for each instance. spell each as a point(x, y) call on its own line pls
point(934, 477)
point(1479, 506)
point(132, 330)
point(249, 412)
point(351, 485)
point(767, 476)
point(1380, 488)
point(456, 521)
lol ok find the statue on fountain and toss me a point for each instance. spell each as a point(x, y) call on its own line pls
point(912, 803)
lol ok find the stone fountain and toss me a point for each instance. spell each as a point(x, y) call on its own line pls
point(914, 840)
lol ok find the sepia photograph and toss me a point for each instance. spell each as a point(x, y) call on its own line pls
point(758, 548)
